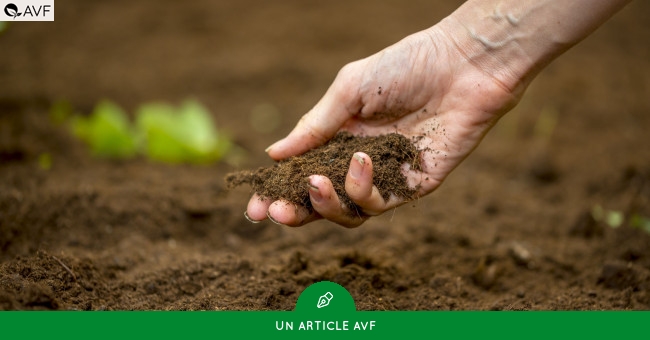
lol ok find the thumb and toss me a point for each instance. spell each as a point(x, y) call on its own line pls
point(323, 121)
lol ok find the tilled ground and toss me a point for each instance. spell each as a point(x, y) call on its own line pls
point(510, 229)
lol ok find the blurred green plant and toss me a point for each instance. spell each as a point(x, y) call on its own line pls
point(61, 111)
point(107, 131)
point(180, 135)
point(641, 222)
point(616, 218)
point(3, 26)
point(45, 161)
point(162, 132)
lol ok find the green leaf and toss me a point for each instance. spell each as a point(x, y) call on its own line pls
point(178, 135)
point(641, 222)
point(107, 131)
point(185, 134)
point(614, 218)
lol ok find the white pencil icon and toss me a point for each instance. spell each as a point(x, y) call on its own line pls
point(325, 300)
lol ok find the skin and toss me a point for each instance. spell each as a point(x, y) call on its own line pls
point(447, 85)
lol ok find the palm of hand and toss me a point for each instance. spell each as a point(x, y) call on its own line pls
point(428, 93)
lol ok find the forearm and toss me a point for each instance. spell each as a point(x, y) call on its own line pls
point(514, 39)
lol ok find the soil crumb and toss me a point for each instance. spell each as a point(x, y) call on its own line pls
point(288, 179)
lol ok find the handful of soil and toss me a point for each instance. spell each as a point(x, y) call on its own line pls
point(288, 179)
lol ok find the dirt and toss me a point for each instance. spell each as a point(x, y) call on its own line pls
point(289, 179)
point(510, 229)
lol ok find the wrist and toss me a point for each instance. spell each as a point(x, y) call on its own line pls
point(512, 40)
point(495, 44)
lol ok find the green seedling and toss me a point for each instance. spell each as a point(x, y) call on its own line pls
point(615, 218)
point(107, 131)
point(641, 222)
point(612, 218)
point(180, 135)
point(162, 132)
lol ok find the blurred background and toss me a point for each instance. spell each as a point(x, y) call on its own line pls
point(233, 57)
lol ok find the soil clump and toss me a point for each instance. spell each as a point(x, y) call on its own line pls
point(289, 179)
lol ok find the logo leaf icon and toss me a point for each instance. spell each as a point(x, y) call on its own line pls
point(12, 11)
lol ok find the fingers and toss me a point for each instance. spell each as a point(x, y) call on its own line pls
point(257, 208)
point(323, 121)
point(286, 213)
point(279, 212)
point(359, 186)
point(326, 202)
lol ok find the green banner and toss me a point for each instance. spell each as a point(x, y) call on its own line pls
point(324, 310)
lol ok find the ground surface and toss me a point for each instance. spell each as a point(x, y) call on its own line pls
point(510, 229)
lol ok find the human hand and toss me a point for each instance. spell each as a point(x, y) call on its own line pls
point(424, 86)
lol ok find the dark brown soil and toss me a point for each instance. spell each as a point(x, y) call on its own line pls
point(510, 229)
point(289, 178)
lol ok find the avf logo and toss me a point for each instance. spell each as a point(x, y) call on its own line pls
point(12, 10)
point(26, 10)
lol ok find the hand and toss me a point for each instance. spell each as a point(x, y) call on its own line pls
point(422, 86)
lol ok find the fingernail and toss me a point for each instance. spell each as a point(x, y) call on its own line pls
point(314, 194)
point(270, 147)
point(356, 168)
point(250, 219)
point(273, 220)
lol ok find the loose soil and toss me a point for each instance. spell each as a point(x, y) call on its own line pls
point(289, 180)
point(510, 229)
